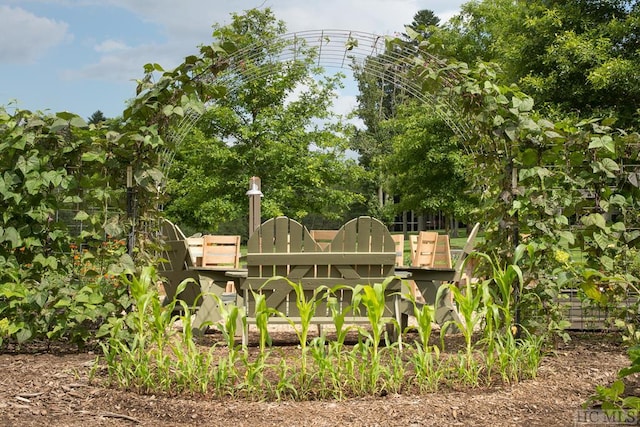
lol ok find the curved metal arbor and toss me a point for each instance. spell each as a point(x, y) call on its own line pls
point(394, 63)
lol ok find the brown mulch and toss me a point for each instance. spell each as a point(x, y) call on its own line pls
point(51, 387)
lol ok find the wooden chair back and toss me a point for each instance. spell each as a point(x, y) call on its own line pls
point(176, 264)
point(221, 251)
point(425, 249)
point(442, 254)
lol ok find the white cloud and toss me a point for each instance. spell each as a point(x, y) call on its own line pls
point(125, 65)
point(188, 23)
point(110, 46)
point(25, 36)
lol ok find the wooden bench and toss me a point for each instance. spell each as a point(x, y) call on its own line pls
point(362, 252)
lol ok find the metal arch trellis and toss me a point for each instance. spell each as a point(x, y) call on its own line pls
point(340, 49)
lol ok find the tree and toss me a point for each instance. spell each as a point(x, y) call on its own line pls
point(399, 164)
point(96, 118)
point(427, 167)
point(423, 21)
point(578, 56)
point(275, 122)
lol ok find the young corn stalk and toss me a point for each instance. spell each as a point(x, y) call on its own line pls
point(372, 298)
point(228, 326)
point(428, 374)
point(509, 282)
point(306, 310)
point(334, 355)
point(338, 316)
point(253, 384)
point(468, 303)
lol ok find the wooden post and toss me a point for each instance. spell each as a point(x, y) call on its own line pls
point(255, 194)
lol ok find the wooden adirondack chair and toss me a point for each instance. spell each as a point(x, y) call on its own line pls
point(362, 252)
point(425, 249)
point(177, 266)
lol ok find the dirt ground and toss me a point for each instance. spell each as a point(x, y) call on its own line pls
point(50, 387)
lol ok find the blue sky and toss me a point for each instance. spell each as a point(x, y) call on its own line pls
point(85, 55)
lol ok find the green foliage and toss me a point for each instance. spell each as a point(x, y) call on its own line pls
point(59, 203)
point(425, 151)
point(274, 122)
point(570, 55)
point(614, 399)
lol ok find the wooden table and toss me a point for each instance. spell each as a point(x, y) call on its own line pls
point(428, 281)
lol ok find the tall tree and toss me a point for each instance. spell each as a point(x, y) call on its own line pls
point(275, 122)
point(97, 117)
point(398, 164)
point(423, 21)
point(427, 168)
point(578, 56)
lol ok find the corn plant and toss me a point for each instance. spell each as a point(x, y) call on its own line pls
point(424, 314)
point(468, 303)
point(509, 282)
point(467, 370)
point(262, 314)
point(395, 373)
point(253, 384)
point(229, 315)
point(373, 299)
point(532, 353)
point(286, 382)
point(327, 369)
point(428, 368)
point(338, 316)
point(306, 310)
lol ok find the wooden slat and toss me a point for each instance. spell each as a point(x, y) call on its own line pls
point(221, 250)
point(413, 246)
point(426, 247)
point(442, 253)
point(398, 240)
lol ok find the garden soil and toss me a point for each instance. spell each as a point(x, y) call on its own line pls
point(51, 386)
